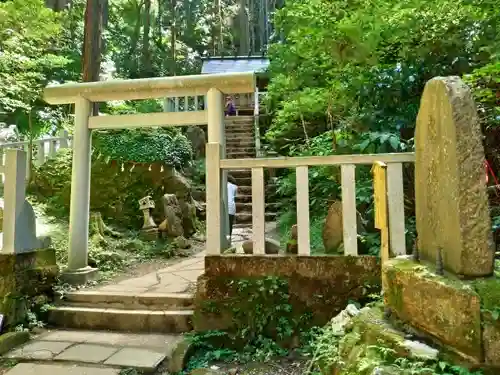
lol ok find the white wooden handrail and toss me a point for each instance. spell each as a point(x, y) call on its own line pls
point(39, 146)
point(347, 165)
point(302, 161)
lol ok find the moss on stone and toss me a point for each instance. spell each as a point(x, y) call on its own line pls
point(489, 292)
point(445, 308)
point(10, 340)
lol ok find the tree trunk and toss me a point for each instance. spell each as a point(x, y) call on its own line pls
point(244, 29)
point(92, 45)
point(146, 48)
point(173, 31)
point(134, 70)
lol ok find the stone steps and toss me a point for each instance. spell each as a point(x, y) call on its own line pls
point(145, 301)
point(124, 320)
point(240, 143)
point(241, 155)
point(246, 217)
point(246, 207)
point(233, 149)
point(239, 138)
point(241, 173)
point(242, 181)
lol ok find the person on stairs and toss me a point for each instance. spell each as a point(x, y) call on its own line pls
point(232, 190)
point(230, 107)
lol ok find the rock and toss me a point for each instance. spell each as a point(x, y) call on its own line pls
point(272, 246)
point(450, 187)
point(422, 351)
point(25, 238)
point(196, 136)
point(230, 250)
point(205, 371)
point(188, 211)
point(181, 243)
point(176, 183)
point(172, 225)
point(340, 322)
point(384, 370)
point(352, 310)
point(333, 233)
point(151, 234)
point(180, 356)
point(447, 310)
point(10, 340)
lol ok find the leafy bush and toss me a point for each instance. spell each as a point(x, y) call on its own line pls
point(168, 146)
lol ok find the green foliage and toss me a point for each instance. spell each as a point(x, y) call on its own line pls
point(29, 59)
point(485, 84)
point(168, 146)
point(327, 352)
point(263, 323)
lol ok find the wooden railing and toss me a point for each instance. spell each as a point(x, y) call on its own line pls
point(42, 149)
point(196, 103)
point(347, 165)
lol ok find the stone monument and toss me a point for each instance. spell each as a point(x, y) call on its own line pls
point(442, 291)
point(450, 184)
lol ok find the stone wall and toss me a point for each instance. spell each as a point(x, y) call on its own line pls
point(25, 276)
point(321, 285)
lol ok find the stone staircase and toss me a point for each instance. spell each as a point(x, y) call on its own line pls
point(126, 312)
point(240, 144)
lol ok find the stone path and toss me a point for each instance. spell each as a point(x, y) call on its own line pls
point(177, 278)
point(92, 353)
point(180, 277)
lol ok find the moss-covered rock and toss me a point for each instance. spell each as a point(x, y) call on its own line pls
point(115, 189)
point(25, 277)
point(489, 294)
point(445, 308)
point(10, 340)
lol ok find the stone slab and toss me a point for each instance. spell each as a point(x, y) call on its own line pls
point(141, 359)
point(176, 321)
point(87, 353)
point(39, 350)
point(446, 309)
point(161, 343)
point(56, 369)
point(450, 186)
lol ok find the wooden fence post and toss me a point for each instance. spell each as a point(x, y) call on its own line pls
point(379, 171)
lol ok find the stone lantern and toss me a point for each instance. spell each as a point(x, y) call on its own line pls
point(149, 230)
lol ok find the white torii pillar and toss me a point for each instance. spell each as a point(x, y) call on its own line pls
point(78, 271)
point(216, 135)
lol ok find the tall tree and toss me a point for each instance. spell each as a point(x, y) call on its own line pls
point(173, 36)
point(92, 44)
point(146, 48)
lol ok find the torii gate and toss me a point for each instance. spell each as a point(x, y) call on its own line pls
point(82, 95)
